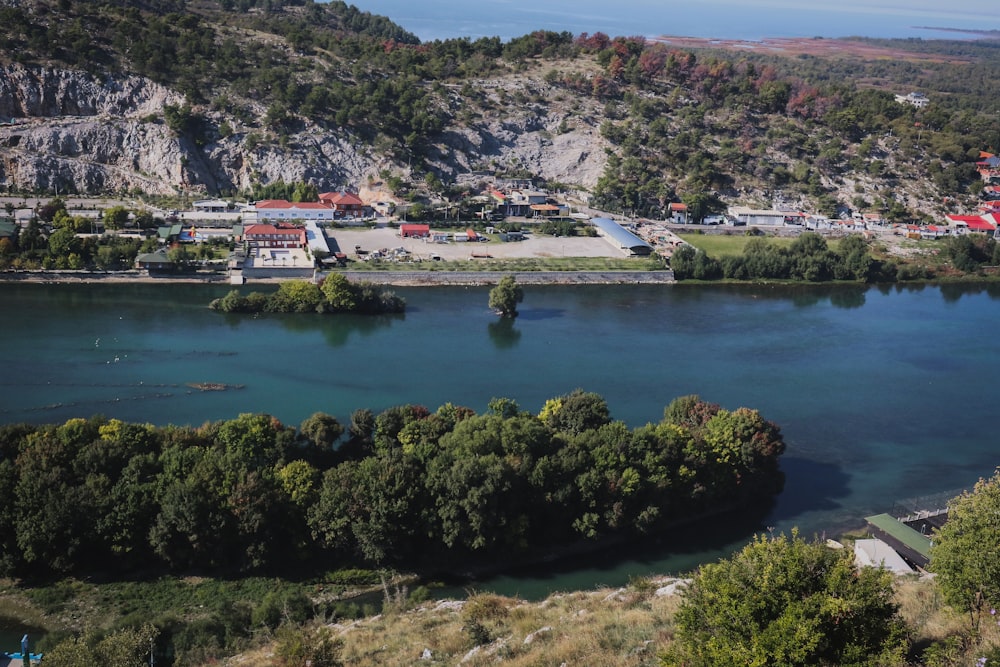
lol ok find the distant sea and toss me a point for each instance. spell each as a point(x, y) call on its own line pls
point(722, 19)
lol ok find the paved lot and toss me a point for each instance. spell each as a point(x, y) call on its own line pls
point(532, 246)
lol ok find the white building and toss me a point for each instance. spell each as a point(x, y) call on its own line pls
point(271, 210)
point(918, 100)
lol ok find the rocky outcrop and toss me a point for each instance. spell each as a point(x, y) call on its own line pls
point(72, 131)
point(46, 92)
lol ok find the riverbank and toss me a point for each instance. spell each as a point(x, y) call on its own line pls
point(391, 278)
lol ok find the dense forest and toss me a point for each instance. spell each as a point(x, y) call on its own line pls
point(703, 126)
point(406, 487)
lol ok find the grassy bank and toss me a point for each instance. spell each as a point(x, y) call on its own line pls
point(724, 245)
point(390, 625)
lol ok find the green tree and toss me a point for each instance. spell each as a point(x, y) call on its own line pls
point(180, 256)
point(785, 601)
point(63, 242)
point(339, 293)
point(964, 552)
point(115, 217)
point(128, 647)
point(322, 429)
point(505, 297)
point(296, 296)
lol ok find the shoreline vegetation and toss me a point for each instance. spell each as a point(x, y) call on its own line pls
point(335, 294)
point(407, 489)
point(809, 259)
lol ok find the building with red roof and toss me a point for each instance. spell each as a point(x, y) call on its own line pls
point(344, 204)
point(974, 224)
point(414, 230)
point(280, 235)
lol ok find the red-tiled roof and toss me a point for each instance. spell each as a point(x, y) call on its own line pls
point(273, 229)
point(341, 198)
point(678, 207)
point(967, 219)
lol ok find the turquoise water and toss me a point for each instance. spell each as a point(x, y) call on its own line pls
point(719, 19)
point(881, 394)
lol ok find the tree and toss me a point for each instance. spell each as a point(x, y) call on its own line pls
point(296, 296)
point(339, 293)
point(505, 297)
point(964, 550)
point(785, 601)
point(115, 217)
point(63, 242)
point(322, 429)
point(128, 647)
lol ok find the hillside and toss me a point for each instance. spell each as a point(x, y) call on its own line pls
point(168, 96)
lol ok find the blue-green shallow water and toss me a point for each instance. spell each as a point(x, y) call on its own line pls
point(881, 394)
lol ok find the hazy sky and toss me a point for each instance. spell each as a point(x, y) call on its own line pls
point(438, 19)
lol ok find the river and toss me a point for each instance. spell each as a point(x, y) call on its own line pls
point(882, 393)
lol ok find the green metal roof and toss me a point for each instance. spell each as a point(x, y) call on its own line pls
point(892, 526)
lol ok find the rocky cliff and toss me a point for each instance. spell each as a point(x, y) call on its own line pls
point(71, 131)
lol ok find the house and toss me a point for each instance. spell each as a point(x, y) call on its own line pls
point(933, 232)
point(154, 261)
point(281, 235)
point(499, 198)
point(211, 206)
point(876, 553)
point(519, 202)
point(973, 224)
point(988, 166)
point(8, 229)
point(907, 542)
point(344, 204)
point(411, 230)
point(919, 100)
point(169, 233)
point(545, 210)
point(678, 213)
point(749, 216)
point(279, 209)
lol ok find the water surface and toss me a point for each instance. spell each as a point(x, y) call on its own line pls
point(881, 394)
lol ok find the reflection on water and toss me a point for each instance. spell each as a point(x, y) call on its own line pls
point(503, 333)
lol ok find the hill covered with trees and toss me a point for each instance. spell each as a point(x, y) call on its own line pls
point(166, 96)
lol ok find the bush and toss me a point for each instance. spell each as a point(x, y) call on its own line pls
point(964, 550)
point(785, 601)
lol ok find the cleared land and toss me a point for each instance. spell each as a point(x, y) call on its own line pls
point(534, 245)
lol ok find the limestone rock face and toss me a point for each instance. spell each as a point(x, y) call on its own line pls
point(71, 131)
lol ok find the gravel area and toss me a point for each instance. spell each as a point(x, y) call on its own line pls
point(532, 246)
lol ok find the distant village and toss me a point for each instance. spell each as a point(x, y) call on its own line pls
point(279, 238)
